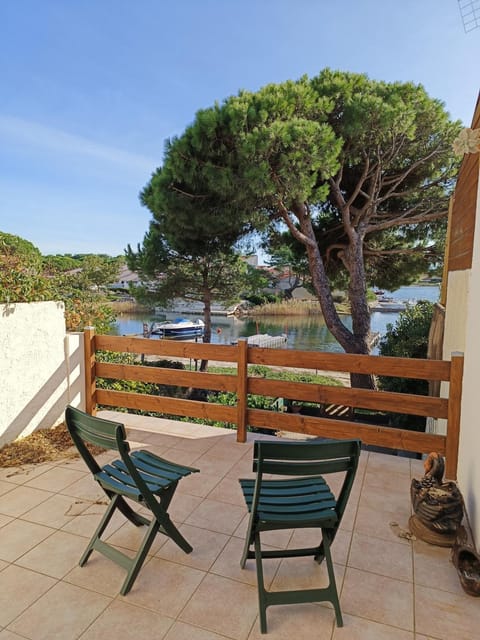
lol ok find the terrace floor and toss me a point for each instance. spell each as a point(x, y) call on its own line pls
point(391, 588)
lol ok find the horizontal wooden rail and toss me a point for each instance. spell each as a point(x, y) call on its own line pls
point(376, 365)
point(189, 350)
point(402, 439)
point(242, 383)
point(162, 404)
point(361, 398)
point(159, 375)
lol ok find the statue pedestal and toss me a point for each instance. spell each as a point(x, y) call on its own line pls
point(422, 532)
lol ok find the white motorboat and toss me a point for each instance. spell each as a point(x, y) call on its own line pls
point(179, 328)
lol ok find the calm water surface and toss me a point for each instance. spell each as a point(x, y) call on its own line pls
point(307, 333)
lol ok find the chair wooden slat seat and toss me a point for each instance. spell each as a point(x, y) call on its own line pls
point(140, 476)
point(303, 500)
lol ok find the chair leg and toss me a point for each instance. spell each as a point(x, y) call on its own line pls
point(332, 583)
point(140, 556)
point(246, 546)
point(262, 600)
point(100, 529)
point(169, 529)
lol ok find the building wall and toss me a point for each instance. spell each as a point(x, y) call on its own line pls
point(462, 311)
point(469, 467)
point(41, 368)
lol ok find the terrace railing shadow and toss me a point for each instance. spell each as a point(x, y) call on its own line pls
point(242, 384)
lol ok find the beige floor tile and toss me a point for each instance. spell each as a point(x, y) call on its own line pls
point(223, 606)
point(5, 487)
point(99, 574)
point(22, 499)
point(312, 537)
point(392, 559)
point(279, 539)
point(445, 615)
point(208, 463)
point(228, 565)
point(3, 564)
point(63, 613)
point(18, 537)
point(84, 488)
point(305, 573)
point(20, 475)
point(128, 536)
point(53, 512)
point(216, 516)
point(417, 469)
point(56, 479)
point(179, 456)
point(198, 484)
point(360, 629)
point(164, 587)
point(55, 556)
point(5, 520)
point(85, 523)
point(182, 631)
point(375, 521)
point(182, 506)
point(393, 464)
point(76, 463)
point(349, 516)
point(433, 566)
point(378, 598)
point(207, 545)
point(20, 588)
point(242, 468)
point(9, 635)
point(397, 484)
point(230, 451)
point(126, 622)
point(228, 490)
point(298, 621)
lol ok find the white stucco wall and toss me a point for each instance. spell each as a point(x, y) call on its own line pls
point(41, 368)
point(468, 465)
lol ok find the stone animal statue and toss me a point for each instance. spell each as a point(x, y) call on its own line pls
point(437, 504)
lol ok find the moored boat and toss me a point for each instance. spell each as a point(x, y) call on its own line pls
point(179, 328)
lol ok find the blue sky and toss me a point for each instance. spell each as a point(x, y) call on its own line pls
point(91, 89)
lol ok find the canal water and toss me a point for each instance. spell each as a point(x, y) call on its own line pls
point(307, 333)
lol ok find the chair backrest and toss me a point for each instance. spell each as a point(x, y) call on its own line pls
point(307, 458)
point(85, 428)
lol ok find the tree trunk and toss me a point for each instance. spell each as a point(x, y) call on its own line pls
point(355, 341)
point(207, 332)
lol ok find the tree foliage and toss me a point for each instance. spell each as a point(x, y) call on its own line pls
point(358, 171)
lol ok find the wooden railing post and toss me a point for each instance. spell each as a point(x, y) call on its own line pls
point(454, 411)
point(90, 378)
point(242, 376)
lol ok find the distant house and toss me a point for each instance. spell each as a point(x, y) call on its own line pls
point(125, 277)
point(283, 280)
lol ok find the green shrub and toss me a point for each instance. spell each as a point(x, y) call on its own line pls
point(408, 338)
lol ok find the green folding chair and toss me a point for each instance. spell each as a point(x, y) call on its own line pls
point(301, 501)
point(140, 476)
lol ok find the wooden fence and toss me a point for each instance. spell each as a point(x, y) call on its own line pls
point(242, 384)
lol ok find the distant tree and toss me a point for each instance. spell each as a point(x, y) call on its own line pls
point(59, 263)
point(215, 276)
point(99, 271)
point(190, 250)
point(350, 166)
